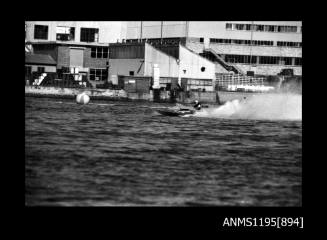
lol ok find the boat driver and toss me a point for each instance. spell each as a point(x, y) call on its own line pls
point(197, 105)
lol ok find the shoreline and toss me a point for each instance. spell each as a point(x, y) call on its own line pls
point(212, 98)
point(122, 95)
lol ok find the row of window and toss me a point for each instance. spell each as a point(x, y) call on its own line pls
point(99, 52)
point(89, 35)
point(168, 41)
point(98, 74)
point(199, 82)
point(263, 60)
point(67, 33)
point(40, 32)
point(240, 41)
point(262, 28)
point(289, 44)
point(28, 70)
point(254, 42)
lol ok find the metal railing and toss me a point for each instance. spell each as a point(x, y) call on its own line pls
point(239, 82)
point(223, 80)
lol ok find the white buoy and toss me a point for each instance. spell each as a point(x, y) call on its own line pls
point(82, 98)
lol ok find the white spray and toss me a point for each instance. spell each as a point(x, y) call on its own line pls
point(273, 106)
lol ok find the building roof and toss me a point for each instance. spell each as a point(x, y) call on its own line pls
point(71, 43)
point(41, 59)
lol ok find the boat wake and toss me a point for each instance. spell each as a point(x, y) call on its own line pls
point(266, 106)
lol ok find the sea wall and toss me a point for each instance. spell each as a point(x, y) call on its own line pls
point(110, 94)
point(72, 92)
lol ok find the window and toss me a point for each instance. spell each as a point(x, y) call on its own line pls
point(131, 73)
point(228, 26)
point(241, 42)
point(40, 69)
point(65, 33)
point(293, 29)
point(41, 32)
point(282, 28)
point(298, 61)
point(269, 60)
point(265, 28)
point(287, 60)
point(249, 59)
point(201, 40)
point(260, 28)
point(28, 70)
point(89, 35)
point(240, 27)
point(289, 44)
point(98, 74)
point(235, 58)
point(271, 28)
point(99, 52)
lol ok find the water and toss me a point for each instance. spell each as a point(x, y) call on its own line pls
point(124, 153)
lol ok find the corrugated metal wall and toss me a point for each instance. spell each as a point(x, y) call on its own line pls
point(126, 51)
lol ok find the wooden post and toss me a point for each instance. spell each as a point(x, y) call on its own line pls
point(161, 32)
point(141, 30)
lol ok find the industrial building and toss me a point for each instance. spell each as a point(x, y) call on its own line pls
point(84, 47)
point(73, 31)
point(190, 55)
point(261, 47)
point(88, 60)
point(190, 71)
point(80, 48)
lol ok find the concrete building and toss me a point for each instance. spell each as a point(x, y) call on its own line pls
point(87, 60)
point(74, 31)
point(39, 63)
point(182, 49)
point(264, 47)
point(189, 70)
point(76, 46)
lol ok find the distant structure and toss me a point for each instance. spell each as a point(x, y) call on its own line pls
point(78, 47)
point(258, 47)
point(190, 55)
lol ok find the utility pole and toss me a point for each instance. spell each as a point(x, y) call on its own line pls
point(141, 29)
point(251, 46)
point(161, 32)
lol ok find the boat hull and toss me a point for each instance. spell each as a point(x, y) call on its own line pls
point(176, 113)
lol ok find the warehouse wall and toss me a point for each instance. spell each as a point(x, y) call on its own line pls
point(167, 64)
point(124, 66)
point(109, 32)
point(46, 68)
point(152, 29)
point(192, 63)
point(266, 69)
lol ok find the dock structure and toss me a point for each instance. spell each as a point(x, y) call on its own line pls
point(191, 58)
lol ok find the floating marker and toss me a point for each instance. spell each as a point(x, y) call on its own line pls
point(82, 98)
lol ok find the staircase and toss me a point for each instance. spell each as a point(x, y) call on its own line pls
point(39, 80)
point(221, 61)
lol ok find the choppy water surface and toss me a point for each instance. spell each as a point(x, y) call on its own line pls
point(124, 153)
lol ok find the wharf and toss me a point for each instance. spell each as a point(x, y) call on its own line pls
point(111, 94)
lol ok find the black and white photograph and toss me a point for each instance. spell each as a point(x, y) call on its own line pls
point(163, 113)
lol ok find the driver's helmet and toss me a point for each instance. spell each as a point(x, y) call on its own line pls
point(196, 101)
